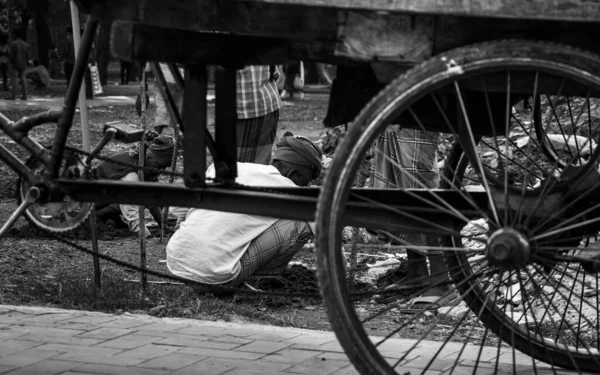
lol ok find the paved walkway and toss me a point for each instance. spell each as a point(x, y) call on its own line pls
point(35, 340)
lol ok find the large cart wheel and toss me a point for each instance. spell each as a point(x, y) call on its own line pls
point(516, 259)
point(560, 134)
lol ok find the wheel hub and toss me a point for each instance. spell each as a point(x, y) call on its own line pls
point(508, 249)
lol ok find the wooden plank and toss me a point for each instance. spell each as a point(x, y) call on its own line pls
point(221, 11)
point(241, 18)
point(560, 10)
point(360, 37)
point(385, 37)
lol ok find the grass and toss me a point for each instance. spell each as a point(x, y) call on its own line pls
point(76, 291)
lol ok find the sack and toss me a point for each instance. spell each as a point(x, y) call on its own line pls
point(299, 78)
point(96, 86)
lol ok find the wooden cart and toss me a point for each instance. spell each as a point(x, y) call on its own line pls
point(517, 201)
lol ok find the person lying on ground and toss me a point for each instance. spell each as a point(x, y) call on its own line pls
point(226, 249)
point(38, 75)
point(158, 155)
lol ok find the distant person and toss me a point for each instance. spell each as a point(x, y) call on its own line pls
point(294, 81)
point(4, 60)
point(67, 55)
point(53, 63)
point(18, 57)
point(38, 75)
point(125, 71)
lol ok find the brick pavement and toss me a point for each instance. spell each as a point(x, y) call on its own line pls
point(36, 340)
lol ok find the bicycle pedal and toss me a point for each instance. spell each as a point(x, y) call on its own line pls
point(126, 133)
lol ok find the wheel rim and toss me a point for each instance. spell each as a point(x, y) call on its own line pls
point(54, 216)
point(462, 269)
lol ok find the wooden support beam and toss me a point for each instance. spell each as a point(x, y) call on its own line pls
point(236, 10)
point(225, 123)
point(194, 120)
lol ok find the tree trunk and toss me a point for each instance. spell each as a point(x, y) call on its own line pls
point(103, 51)
point(25, 17)
point(43, 32)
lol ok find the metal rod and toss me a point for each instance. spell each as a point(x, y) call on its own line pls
point(96, 250)
point(109, 135)
point(165, 210)
point(172, 108)
point(176, 73)
point(288, 203)
point(66, 120)
point(17, 131)
point(25, 124)
point(142, 163)
point(15, 164)
point(161, 84)
point(32, 195)
point(83, 113)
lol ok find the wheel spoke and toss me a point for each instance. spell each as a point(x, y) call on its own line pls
point(564, 229)
point(448, 207)
point(473, 148)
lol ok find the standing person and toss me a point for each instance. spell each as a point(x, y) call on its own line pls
point(400, 158)
point(257, 108)
point(294, 81)
point(4, 60)
point(258, 104)
point(18, 57)
point(67, 55)
point(53, 63)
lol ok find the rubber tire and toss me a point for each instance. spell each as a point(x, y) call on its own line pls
point(390, 102)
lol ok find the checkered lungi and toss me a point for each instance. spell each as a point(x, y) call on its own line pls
point(255, 137)
point(401, 157)
point(404, 156)
point(270, 252)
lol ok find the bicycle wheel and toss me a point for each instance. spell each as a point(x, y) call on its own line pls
point(517, 239)
point(54, 216)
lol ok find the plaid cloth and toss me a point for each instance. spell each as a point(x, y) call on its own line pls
point(255, 138)
point(257, 95)
point(414, 151)
point(270, 252)
point(401, 159)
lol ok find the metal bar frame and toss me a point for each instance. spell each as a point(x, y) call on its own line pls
point(393, 213)
point(68, 112)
